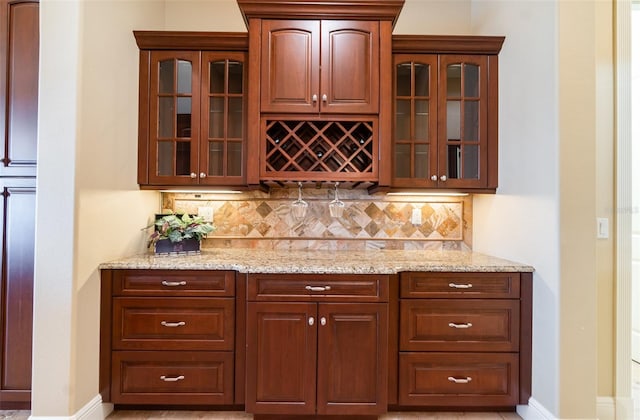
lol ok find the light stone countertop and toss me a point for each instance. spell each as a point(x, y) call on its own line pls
point(322, 262)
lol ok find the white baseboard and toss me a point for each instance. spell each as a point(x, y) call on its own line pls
point(624, 407)
point(534, 411)
point(606, 408)
point(93, 410)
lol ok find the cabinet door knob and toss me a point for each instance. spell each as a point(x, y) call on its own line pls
point(311, 320)
point(454, 325)
point(314, 98)
point(434, 177)
point(324, 98)
point(203, 175)
point(172, 378)
point(443, 178)
point(459, 380)
point(323, 321)
point(194, 175)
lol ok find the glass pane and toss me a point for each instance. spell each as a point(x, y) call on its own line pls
point(471, 161)
point(422, 79)
point(421, 160)
point(216, 118)
point(471, 120)
point(454, 88)
point(165, 158)
point(184, 76)
point(234, 158)
point(234, 127)
point(183, 118)
point(403, 119)
point(453, 161)
point(216, 156)
point(471, 80)
point(235, 77)
point(403, 79)
point(403, 160)
point(422, 119)
point(165, 117)
point(183, 158)
point(453, 120)
point(217, 77)
point(166, 76)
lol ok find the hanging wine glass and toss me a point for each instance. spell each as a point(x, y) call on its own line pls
point(336, 207)
point(299, 207)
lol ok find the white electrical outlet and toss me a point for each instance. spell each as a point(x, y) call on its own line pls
point(416, 217)
point(206, 213)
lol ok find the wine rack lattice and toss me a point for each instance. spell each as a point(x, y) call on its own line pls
point(345, 147)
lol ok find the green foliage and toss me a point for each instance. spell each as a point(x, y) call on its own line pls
point(176, 228)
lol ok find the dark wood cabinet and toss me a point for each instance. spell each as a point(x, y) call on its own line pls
point(19, 46)
point(311, 349)
point(445, 112)
point(465, 339)
point(320, 66)
point(168, 337)
point(193, 101)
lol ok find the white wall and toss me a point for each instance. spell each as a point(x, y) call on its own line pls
point(89, 208)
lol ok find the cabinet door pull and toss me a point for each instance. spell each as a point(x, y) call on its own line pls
point(177, 324)
point(314, 98)
point(459, 380)
point(172, 378)
point(460, 286)
point(443, 178)
point(324, 98)
point(318, 288)
point(311, 320)
point(454, 325)
point(434, 177)
point(173, 283)
point(193, 175)
point(323, 321)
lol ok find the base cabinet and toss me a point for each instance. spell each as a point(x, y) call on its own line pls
point(316, 357)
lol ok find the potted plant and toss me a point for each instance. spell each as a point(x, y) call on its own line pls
point(178, 233)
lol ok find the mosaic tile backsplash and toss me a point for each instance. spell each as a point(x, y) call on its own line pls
point(267, 220)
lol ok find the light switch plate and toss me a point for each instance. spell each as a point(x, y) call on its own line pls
point(602, 231)
point(416, 217)
point(206, 213)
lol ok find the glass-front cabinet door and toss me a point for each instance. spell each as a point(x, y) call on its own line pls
point(174, 108)
point(222, 147)
point(197, 109)
point(462, 122)
point(440, 121)
point(415, 125)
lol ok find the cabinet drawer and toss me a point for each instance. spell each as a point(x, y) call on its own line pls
point(458, 379)
point(460, 285)
point(147, 377)
point(173, 323)
point(173, 283)
point(459, 325)
point(313, 287)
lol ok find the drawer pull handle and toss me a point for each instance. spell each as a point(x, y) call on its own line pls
point(460, 286)
point(173, 324)
point(454, 325)
point(459, 380)
point(173, 283)
point(172, 378)
point(318, 288)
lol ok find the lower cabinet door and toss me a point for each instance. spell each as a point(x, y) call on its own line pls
point(172, 377)
point(281, 358)
point(458, 379)
point(352, 358)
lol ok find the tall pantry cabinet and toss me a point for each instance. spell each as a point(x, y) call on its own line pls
point(19, 45)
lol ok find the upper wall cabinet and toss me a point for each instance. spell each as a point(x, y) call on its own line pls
point(322, 73)
point(193, 91)
point(445, 125)
point(320, 66)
